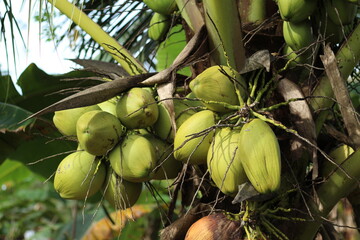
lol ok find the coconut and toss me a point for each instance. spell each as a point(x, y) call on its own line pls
point(79, 175)
point(109, 106)
point(159, 26)
point(224, 162)
point(298, 35)
point(296, 58)
point(65, 120)
point(98, 131)
point(137, 108)
point(215, 227)
point(193, 149)
point(216, 84)
point(341, 12)
point(296, 10)
point(162, 6)
point(121, 194)
point(162, 126)
point(167, 167)
point(134, 159)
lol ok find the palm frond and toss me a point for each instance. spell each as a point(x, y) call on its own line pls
point(9, 27)
point(126, 21)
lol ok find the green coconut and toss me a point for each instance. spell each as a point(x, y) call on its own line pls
point(296, 58)
point(134, 159)
point(193, 149)
point(224, 161)
point(159, 26)
point(65, 120)
point(341, 12)
point(338, 155)
point(109, 106)
point(79, 175)
point(296, 10)
point(298, 35)
point(121, 194)
point(98, 131)
point(137, 108)
point(166, 7)
point(331, 32)
point(183, 110)
point(167, 167)
point(260, 155)
point(163, 127)
point(216, 84)
point(192, 102)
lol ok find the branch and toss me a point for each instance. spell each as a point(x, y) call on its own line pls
point(347, 58)
point(342, 96)
point(338, 186)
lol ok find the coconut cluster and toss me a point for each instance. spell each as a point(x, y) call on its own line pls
point(304, 21)
point(118, 148)
point(133, 138)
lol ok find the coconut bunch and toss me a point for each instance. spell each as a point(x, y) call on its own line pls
point(233, 154)
point(119, 148)
point(306, 20)
point(130, 139)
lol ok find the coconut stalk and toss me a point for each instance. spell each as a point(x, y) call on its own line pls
point(222, 21)
point(111, 45)
point(338, 186)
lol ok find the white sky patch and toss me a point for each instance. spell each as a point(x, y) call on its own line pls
point(39, 51)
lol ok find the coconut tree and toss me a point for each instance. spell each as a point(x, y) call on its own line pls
point(259, 108)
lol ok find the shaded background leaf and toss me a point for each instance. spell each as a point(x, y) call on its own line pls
point(31, 141)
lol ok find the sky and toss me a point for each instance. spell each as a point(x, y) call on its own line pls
point(39, 51)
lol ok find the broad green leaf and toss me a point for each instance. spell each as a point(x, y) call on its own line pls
point(5, 150)
point(29, 142)
point(11, 132)
point(10, 117)
point(39, 88)
point(41, 155)
point(8, 93)
point(170, 49)
point(33, 140)
point(12, 172)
